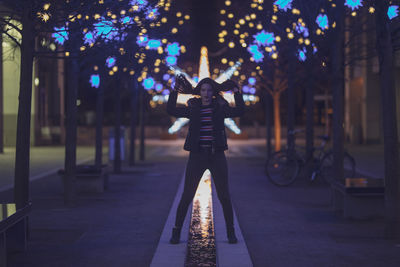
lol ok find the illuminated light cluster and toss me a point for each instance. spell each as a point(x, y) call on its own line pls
point(393, 11)
point(88, 38)
point(153, 44)
point(353, 4)
point(256, 53)
point(173, 49)
point(284, 4)
point(60, 35)
point(301, 29)
point(142, 40)
point(152, 13)
point(95, 80)
point(138, 4)
point(264, 38)
point(171, 60)
point(322, 21)
point(148, 83)
point(106, 30)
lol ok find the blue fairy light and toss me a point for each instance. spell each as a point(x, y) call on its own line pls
point(255, 52)
point(159, 87)
point(139, 3)
point(322, 21)
point(126, 20)
point(152, 13)
point(284, 4)
point(252, 81)
point(302, 30)
point(165, 92)
point(88, 38)
point(95, 80)
point(264, 38)
point(60, 35)
point(142, 40)
point(196, 79)
point(110, 62)
point(302, 54)
point(106, 29)
point(154, 43)
point(246, 89)
point(173, 49)
point(148, 83)
point(171, 60)
point(166, 77)
point(393, 11)
point(353, 4)
point(252, 90)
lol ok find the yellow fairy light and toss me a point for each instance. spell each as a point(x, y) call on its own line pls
point(164, 20)
point(237, 26)
point(183, 49)
point(296, 11)
point(334, 25)
point(236, 73)
point(244, 45)
point(354, 13)
point(243, 77)
point(230, 15)
point(235, 31)
point(180, 22)
point(253, 16)
point(187, 17)
point(290, 35)
point(222, 23)
point(231, 44)
point(268, 49)
point(96, 68)
point(46, 6)
point(247, 17)
point(318, 31)
point(164, 41)
point(260, 8)
point(307, 41)
point(222, 12)
point(301, 40)
point(160, 50)
point(179, 14)
point(132, 72)
point(241, 21)
point(124, 69)
point(227, 3)
point(174, 30)
point(231, 63)
point(67, 54)
point(274, 55)
point(371, 9)
point(115, 68)
point(82, 48)
point(221, 40)
point(251, 24)
point(259, 27)
point(140, 79)
point(224, 61)
point(111, 73)
point(144, 30)
point(114, 16)
point(156, 70)
point(140, 61)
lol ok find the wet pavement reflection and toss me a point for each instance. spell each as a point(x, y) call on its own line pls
point(201, 249)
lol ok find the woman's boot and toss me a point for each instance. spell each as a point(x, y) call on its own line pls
point(176, 234)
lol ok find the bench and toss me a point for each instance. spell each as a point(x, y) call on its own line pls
point(89, 179)
point(13, 230)
point(359, 198)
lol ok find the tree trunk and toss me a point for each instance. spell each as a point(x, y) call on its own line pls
point(391, 144)
point(134, 93)
point(99, 125)
point(71, 130)
point(338, 94)
point(117, 128)
point(21, 178)
point(310, 112)
point(291, 94)
point(142, 122)
point(268, 123)
point(1, 98)
point(277, 120)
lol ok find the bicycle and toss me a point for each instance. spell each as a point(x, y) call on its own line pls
point(283, 167)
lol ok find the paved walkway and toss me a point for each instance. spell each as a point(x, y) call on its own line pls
point(291, 226)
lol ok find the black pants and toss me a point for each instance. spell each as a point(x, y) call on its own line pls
point(196, 165)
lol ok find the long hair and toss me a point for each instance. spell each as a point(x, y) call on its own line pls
point(183, 86)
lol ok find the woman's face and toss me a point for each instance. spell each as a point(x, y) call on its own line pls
point(206, 93)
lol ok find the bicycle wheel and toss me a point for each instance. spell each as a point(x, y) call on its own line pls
point(282, 170)
point(326, 167)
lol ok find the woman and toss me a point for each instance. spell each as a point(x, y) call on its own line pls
point(206, 141)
